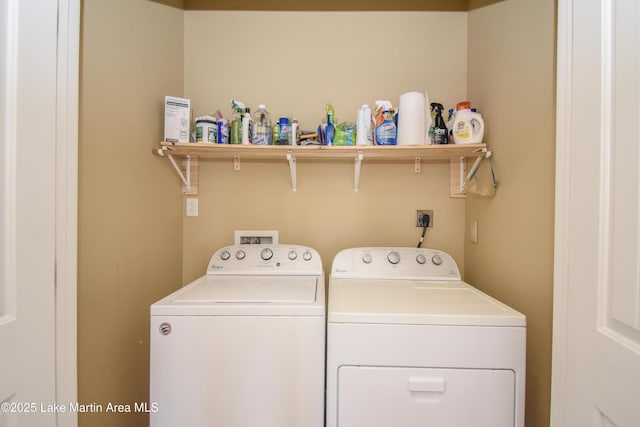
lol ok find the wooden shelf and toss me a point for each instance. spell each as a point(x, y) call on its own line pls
point(221, 151)
point(191, 152)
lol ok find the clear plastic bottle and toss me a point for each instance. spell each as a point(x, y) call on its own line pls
point(261, 126)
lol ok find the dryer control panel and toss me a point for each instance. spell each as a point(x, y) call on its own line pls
point(394, 263)
point(265, 259)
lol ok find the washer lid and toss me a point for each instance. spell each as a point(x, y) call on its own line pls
point(415, 302)
point(257, 289)
point(246, 296)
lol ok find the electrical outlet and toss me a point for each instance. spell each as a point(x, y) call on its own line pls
point(428, 212)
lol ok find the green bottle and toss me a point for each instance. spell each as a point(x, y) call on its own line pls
point(235, 129)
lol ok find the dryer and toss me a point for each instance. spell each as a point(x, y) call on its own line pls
point(243, 345)
point(410, 344)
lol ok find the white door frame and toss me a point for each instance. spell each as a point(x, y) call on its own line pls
point(562, 202)
point(596, 329)
point(68, 83)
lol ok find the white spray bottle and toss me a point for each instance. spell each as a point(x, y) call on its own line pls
point(364, 135)
point(246, 127)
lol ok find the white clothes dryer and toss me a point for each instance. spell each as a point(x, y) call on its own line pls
point(244, 345)
point(410, 344)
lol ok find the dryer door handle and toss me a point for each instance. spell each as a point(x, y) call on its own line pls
point(426, 384)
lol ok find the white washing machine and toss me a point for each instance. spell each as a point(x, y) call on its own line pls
point(244, 345)
point(410, 344)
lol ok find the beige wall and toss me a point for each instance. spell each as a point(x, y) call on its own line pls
point(306, 60)
point(130, 236)
point(512, 80)
point(135, 243)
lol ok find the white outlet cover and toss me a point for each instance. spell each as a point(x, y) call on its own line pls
point(192, 206)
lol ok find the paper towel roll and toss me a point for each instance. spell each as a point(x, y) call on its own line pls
point(414, 119)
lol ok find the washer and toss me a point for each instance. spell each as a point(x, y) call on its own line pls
point(410, 344)
point(244, 345)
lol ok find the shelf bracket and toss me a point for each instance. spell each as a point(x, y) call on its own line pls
point(292, 168)
point(356, 177)
point(186, 180)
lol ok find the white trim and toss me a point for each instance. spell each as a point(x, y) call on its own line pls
point(8, 204)
point(7, 313)
point(562, 209)
point(605, 142)
point(67, 207)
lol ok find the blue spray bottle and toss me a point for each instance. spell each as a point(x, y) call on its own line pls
point(330, 130)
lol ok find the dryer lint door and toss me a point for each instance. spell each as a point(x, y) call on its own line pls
point(417, 397)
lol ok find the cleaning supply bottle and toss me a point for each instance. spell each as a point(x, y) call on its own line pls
point(284, 131)
point(381, 106)
point(363, 126)
point(439, 133)
point(295, 130)
point(468, 126)
point(246, 127)
point(261, 126)
point(450, 125)
point(386, 131)
point(235, 127)
point(330, 130)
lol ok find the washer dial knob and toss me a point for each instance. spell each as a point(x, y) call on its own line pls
point(393, 257)
point(366, 258)
point(266, 254)
point(306, 255)
point(225, 255)
point(241, 254)
point(293, 255)
point(421, 259)
point(436, 259)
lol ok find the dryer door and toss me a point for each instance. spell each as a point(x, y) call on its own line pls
point(418, 397)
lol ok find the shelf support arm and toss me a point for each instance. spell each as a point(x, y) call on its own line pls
point(292, 168)
point(186, 180)
point(356, 177)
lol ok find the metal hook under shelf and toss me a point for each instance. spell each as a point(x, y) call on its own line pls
point(474, 168)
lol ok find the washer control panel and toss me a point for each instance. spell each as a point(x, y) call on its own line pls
point(395, 263)
point(265, 259)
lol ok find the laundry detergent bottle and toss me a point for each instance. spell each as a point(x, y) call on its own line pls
point(468, 126)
